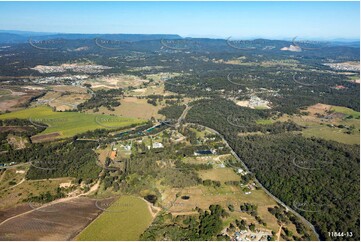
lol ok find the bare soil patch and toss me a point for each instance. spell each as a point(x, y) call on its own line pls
point(44, 137)
point(61, 221)
point(14, 98)
point(10, 212)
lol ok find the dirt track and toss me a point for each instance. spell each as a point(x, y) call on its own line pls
point(61, 219)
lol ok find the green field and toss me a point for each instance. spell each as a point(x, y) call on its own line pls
point(347, 111)
point(126, 219)
point(264, 121)
point(68, 124)
point(325, 132)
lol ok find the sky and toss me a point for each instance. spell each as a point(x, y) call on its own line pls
point(275, 20)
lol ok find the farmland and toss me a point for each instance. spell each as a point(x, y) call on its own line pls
point(68, 124)
point(134, 107)
point(328, 122)
point(201, 142)
point(60, 221)
point(125, 219)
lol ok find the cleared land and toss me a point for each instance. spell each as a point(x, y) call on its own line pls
point(125, 219)
point(60, 221)
point(14, 188)
point(65, 97)
point(156, 87)
point(203, 197)
point(328, 122)
point(17, 142)
point(13, 98)
point(68, 124)
point(70, 101)
point(134, 107)
point(116, 81)
point(219, 174)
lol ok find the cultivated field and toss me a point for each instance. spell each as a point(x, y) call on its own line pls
point(68, 124)
point(60, 221)
point(125, 219)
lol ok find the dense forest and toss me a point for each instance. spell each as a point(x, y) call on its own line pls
point(172, 112)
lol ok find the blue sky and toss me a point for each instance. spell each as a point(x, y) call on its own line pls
point(317, 20)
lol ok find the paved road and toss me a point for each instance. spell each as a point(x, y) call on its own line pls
point(183, 115)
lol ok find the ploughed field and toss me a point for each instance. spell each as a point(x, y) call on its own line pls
point(60, 221)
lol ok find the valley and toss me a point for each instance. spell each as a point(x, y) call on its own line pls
point(159, 142)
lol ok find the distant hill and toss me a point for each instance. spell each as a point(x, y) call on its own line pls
point(355, 44)
point(26, 33)
point(14, 37)
point(6, 38)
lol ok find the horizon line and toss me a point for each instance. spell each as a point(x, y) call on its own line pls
point(208, 36)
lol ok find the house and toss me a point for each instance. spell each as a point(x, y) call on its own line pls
point(157, 145)
point(240, 171)
point(113, 154)
point(338, 87)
